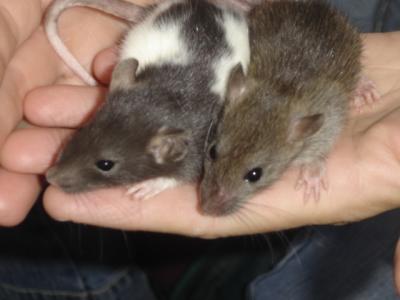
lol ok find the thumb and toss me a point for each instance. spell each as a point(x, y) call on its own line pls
point(104, 63)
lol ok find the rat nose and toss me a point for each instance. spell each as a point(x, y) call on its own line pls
point(222, 193)
point(61, 179)
point(50, 175)
point(215, 202)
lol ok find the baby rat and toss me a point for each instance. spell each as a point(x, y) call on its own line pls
point(289, 109)
point(150, 133)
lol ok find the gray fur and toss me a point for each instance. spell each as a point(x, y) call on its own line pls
point(174, 98)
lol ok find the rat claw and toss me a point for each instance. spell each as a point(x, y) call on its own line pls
point(312, 177)
point(317, 192)
point(324, 181)
point(357, 104)
point(306, 196)
point(133, 191)
point(141, 191)
point(299, 184)
point(311, 192)
point(150, 188)
point(366, 94)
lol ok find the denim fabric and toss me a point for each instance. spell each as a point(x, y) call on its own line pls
point(361, 13)
point(390, 16)
point(371, 15)
point(45, 260)
point(225, 269)
point(336, 263)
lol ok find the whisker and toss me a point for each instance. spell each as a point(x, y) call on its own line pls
point(291, 248)
point(264, 205)
point(266, 238)
point(245, 211)
point(101, 243)
point(283, 238)
point(127, 244)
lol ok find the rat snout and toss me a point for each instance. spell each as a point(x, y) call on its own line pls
point(51, 176)
point(216, 201)
point(59, 179)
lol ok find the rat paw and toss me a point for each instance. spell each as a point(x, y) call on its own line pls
point(365, 94)
point(150, 188)
point(312, 177)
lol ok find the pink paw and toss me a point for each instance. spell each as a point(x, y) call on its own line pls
point(365, 94)
point(312, 178)
point(150, 188)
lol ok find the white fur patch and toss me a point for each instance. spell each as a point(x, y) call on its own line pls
point(152, 187)
point(237, 37)
point(153, 44)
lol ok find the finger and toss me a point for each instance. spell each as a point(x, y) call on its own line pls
point(33, 150)
point(397, 267)
point(110, 208)
point(18, 193)
point(77, 24)
point(18, 19)
point(173, 211)
point(21, 76)
point(10, 114)
point(104, 64)
point(279, 207)
point(380, 59)
point(62, 106)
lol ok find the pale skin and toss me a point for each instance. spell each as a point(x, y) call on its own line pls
point(363, 169)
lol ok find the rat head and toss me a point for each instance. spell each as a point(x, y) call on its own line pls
point(256, 137)
point(122, 144)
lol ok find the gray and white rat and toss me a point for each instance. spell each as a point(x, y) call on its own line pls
point(290, 108)
point(127, 11)
point(150, 133)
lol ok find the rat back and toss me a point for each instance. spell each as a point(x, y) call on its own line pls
point(207, 41)
point(293, 43)
point(307, 52)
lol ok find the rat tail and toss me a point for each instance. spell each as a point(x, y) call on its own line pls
point(119, 8)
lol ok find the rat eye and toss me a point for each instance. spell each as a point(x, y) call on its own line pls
point(213, 152)
point(254, 175)
point(105, 165)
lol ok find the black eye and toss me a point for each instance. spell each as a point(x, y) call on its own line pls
point(213, 152)
point(254, 175)
point(105, 165)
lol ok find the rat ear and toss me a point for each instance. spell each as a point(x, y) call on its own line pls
point(169, 145)
point(124, 74)
point(236, 84)
point(301, 128)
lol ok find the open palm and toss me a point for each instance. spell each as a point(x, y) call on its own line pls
point(362, 169)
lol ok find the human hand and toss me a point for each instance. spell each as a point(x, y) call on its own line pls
point(362, 168)
point(27, 61)
point(19, 21)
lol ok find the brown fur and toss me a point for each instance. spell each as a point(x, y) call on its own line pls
point(305, 65)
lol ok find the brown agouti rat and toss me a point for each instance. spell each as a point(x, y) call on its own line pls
point(290, 107)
